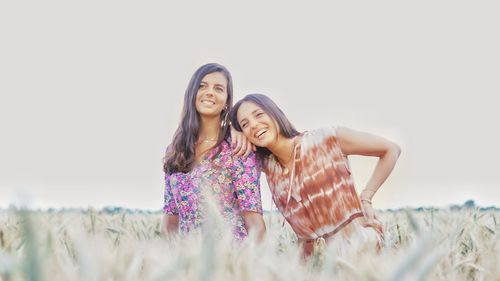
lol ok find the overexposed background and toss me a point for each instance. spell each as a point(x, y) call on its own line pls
point(91, 91)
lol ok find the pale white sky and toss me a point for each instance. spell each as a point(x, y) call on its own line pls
point(91, 91)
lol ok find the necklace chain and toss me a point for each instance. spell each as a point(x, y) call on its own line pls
point(206, 140)
point(290, 158)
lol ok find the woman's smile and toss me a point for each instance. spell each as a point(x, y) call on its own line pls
point(257, 125)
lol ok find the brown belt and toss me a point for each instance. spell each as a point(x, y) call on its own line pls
point(308, 244)
point(336, 230)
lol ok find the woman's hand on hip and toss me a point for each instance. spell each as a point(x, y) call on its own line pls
point(371, 219)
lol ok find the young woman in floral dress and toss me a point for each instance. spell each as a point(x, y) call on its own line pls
point(200, 162)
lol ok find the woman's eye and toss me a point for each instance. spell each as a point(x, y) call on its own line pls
point(202, 86)
point(259, 114)
point(244, 125)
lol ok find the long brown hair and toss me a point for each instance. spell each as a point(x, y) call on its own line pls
point(285, 127)
point(181, 152)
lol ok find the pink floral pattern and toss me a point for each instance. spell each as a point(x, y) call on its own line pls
point(233, 181)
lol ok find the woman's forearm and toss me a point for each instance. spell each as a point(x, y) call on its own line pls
point(382, 170)
point(254, 223)
point(170, 225)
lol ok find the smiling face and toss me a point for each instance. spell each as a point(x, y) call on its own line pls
point(211, 97)
point(258, 126)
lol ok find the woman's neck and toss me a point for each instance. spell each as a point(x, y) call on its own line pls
point(283, 150)
point(209, 128)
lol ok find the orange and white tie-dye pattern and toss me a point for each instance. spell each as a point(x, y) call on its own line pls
point(317, 197)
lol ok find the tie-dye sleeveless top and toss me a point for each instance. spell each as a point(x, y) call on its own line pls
point(321, 198)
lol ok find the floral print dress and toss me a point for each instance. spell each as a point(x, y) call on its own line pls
point(232, 181)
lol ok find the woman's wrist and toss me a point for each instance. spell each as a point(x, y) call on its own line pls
point(367, 194)
point(366, 201)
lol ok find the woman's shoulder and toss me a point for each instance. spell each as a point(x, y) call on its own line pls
point(320, 133)
point(318, 137)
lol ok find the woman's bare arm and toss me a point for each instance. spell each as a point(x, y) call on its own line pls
point(254, 222)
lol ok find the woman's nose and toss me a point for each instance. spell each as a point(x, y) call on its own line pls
point(253, 124)
point(210, 91)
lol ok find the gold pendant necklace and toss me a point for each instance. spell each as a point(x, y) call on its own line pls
point(206, 140)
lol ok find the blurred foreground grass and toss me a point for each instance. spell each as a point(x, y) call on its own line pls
point(426, 245)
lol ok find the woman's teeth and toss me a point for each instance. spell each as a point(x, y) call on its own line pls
point(260, 133)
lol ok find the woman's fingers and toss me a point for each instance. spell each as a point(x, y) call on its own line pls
point(241, 146)
point(243, 149)
point(237, 147)
point(248, 147)
point(371, 218)
point(375, 224)
point(368, 209)
point(234, 137)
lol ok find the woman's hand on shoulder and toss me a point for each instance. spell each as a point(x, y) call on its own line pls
point(241, 146)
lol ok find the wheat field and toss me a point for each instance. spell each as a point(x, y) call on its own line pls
point(93, 245)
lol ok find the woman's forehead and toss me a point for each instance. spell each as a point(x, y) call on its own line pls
point(247, 108)
point(215, 78)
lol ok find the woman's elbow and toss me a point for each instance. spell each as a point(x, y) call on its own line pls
point(396, 149)
point(391, 150)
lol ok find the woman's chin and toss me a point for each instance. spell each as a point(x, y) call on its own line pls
point(261, 143)
point(209, 113)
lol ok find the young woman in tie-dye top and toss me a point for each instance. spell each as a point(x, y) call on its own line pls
point(309, 174)
point(200, 163)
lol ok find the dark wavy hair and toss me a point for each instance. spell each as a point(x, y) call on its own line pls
point(285, 127)
point(181, 152)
